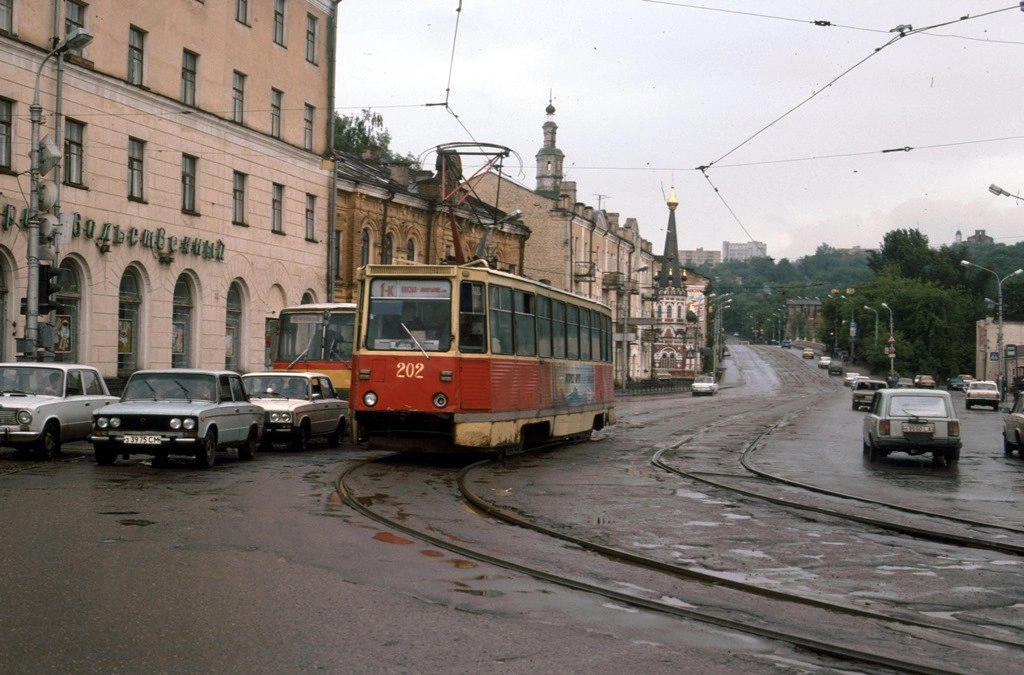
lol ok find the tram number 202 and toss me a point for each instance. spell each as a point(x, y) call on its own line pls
point(410, 370)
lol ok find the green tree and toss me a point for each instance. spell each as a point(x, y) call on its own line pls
point(365, 131)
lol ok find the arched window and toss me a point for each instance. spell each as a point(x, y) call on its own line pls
point(364, 247)
point(182, 324)
point(233, 329)
point(387, 255)
point(307, 299)
point(410, 250)
point(668, 312)
point(67, 329)
point(129, 308)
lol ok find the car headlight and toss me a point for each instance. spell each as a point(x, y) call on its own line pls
point(115, 422)
point(24, 417)
point(188, 424)
point(278, 417)
point(102, 422)
point(370, 399)
point(175, 423)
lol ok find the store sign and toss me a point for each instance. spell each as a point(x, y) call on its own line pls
point(115, 235)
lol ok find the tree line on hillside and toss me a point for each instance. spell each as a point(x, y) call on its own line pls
point(934, 299)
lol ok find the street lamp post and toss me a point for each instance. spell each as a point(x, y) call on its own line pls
point(999, 328)
point(892, 347)
point(871, 309)
point(76, 39)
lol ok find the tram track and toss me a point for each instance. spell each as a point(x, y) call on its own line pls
point(690, 595)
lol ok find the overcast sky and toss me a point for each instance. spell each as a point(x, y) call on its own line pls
point(647, 91)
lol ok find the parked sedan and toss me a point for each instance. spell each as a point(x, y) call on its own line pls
point(982, 392)
point(704, 385)
point(297, 407)
point(43, 405)
point(178, 412)
point(1013, 428)
point(915, 421)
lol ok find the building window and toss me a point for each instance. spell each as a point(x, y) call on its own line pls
point(66, 330)
point(311, 38)
point(189, 174)
point(238, 98)
point(181, 324)
point(128, 327)
point(410, 250)
point(276, 100)
point(279, 22)
point(233, 329)
point(277, 208)
point(136, 156)
point(7, 15)
point(242, 11)
point(74, 152)
point(74, 17)
point(136, 54)
point(238, 198)
point(387, 253)
point(6, 131)
point(364, 247)
point(307, 127)
point(189, 71)
point(310, 217)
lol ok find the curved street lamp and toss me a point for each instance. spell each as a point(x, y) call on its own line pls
point(999, 305)
point(872, 309)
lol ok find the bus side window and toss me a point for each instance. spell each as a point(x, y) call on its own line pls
point(472, 317)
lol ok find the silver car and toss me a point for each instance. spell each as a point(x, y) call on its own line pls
point(1013, 428)
point(297, 407)
point(915, 421)
point(982, 392)
point(180, 411)
point(43, 405)
point(704, 385)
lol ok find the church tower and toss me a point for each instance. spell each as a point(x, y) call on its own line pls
point(670, 276)
point(549, 159)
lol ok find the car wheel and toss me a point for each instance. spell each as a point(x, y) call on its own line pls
point(952, 456)
point(334, 439)
point(1008, 447)
point(104, 456)
point(247, 450)
point(874, 454)
point(207, 453)
point(48, 445)
point(300, 439)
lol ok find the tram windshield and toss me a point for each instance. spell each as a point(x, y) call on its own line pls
point(409, 314)
point(306, 336)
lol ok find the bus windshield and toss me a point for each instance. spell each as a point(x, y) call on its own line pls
point(409, 314)
point(305, 336)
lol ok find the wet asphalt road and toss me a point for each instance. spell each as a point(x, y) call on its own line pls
point(258, 567)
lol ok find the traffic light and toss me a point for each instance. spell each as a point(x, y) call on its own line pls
point(49, 286)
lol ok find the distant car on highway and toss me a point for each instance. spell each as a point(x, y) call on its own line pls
point(786, 343)
point(808, 353)
point(704, 385)
point(43, 405)
point(835, 367)
point(915, 421)
point(863, 391)
point(956, 383)
point(904, 383)
point(824, 361)
point(924, 382)
point(297, 407)
point(982, 392)
point(849, 377)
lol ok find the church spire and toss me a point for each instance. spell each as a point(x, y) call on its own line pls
point(549, 159)
point(670, 276)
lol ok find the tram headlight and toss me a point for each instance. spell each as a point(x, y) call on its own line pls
point(440, 400)
point(370, 399)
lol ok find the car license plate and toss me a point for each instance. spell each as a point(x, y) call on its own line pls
point(918, 428)
point(142, 440)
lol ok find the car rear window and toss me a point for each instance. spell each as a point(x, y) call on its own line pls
point(919, 406)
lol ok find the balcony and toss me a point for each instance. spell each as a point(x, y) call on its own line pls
point(613, 281)
point(584, 271)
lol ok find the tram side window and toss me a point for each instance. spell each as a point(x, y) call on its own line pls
point(572, 332)
point(597, 338)
point(525, 324)
point(585, 334)
point(607, 338)
point(501, 319)
point(472, 317)
point(544, 326)
point(558, 329)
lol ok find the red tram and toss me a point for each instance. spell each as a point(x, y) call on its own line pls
point(463, 358)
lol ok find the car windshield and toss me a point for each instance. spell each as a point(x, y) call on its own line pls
point(276, 386)
point(31, 380)
point(703, 379)
point(917, 406)
point(171, 387)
